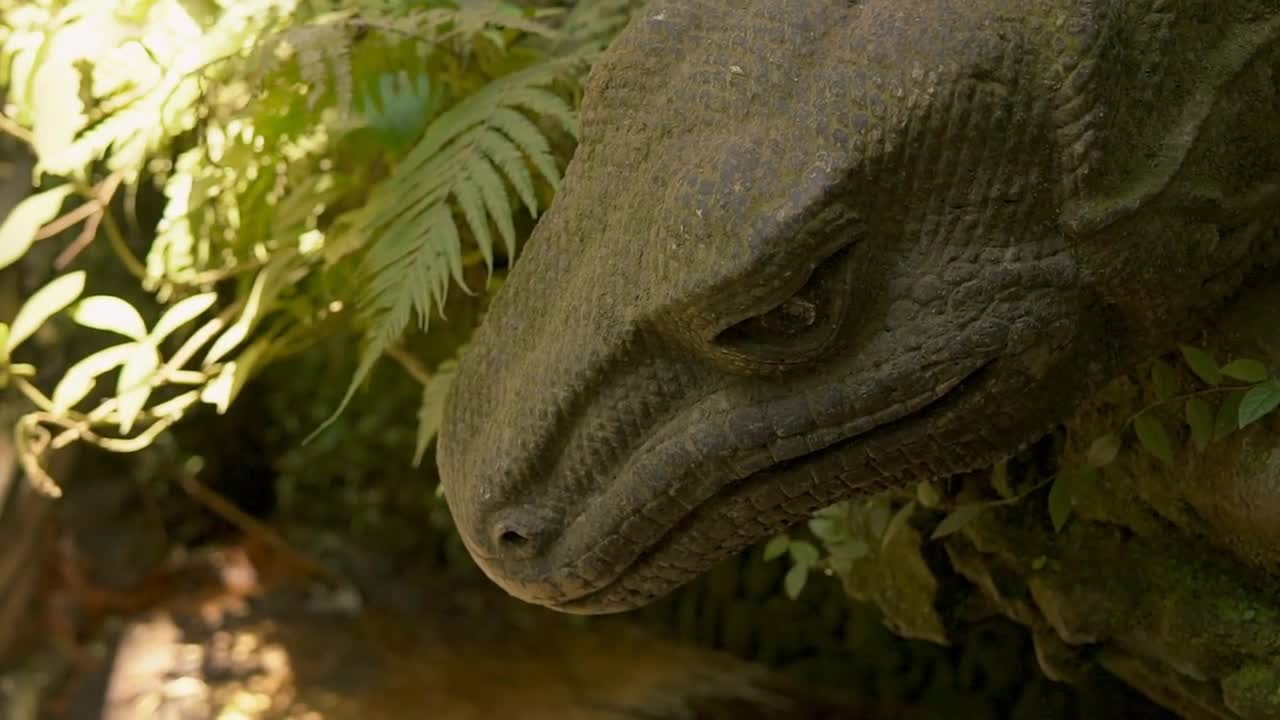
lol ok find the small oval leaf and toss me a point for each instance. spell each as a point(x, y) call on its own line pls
point(42, 305)
point(1246, 370)
point(803, 553)
point(1061, 500)
point(80, 379)
point(24, 221)
point(899, 521)
point(1259, 402)
point(265, 287)
point(1153, 436)
point(1200, 420)
point(957, 520)
point(182, 312)
point(223, 389)
point(928, 494)
point(849, 550)
point(777, 547)
point(110, 313)
point(794, 582)
point(1204, 365)
point(828, 529)
point(134, 385)
point(1227, 420)
point(1103, 451)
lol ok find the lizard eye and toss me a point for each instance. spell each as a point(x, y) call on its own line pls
point(798, 329)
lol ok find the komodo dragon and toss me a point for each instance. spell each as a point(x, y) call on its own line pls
point(811, 249)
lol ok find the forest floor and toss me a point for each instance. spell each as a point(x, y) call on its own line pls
point(233, 633)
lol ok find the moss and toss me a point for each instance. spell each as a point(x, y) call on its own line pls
point(1253, 691)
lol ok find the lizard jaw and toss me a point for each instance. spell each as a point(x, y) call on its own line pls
point(651, 572)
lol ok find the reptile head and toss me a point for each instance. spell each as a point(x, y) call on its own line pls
point(807, 249)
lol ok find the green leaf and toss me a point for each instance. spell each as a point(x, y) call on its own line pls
point(1103, 451)
point(265, 287)
point(42, 305)
point(223, 389)
point(1246, 370)
point(1227, 420)
point(828, 529)
point(1200, 420)
point(928, 495)
point(431, 412)
point(850, 549)
point(803, 553)
point(1061, 500)
point(470, 153)
point(81, 378)
point(899, 520)
point(521, 130)
point(4, 345)
point(471, 202)
point(777, 547)
point(1153, 436)
point(958, 520)
point(110, 313)
point(511, 162)
point(1165, 380)
point(878, 513)
point(134, 386)
point(1259, 402)
point(24, 221)
point(1204, 365)
point(182, 312)
point(794, 582)
point(836, 510)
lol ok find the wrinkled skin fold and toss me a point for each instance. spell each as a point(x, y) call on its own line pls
point(810, 249)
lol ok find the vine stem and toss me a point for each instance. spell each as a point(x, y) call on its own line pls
point(1182, 398)
point(11, 126)
point(121, 248)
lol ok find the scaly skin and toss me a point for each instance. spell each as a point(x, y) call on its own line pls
point(809, 249)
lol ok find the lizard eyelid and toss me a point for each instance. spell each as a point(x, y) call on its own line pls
point(799, 329)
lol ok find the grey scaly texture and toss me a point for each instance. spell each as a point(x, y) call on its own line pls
point(810, 249)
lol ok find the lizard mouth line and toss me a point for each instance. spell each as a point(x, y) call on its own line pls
point(951, 395)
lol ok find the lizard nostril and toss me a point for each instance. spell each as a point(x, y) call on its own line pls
point(511, 538)
point(520, 535)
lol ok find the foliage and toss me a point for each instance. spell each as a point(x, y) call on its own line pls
point(324, 166)
point(1206, 400)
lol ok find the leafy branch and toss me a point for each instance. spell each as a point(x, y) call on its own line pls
point(1248, 392)
point(322, 170)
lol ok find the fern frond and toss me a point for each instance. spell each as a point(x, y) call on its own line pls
point(509, 161)
point(469, 162)
point(324, 52)
point(530, 140)
point(549, 105)
point(465, 22)
point(431, 411)
point(591, 24)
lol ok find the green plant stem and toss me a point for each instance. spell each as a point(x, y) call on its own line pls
point(1183, 398)
point(121, 248)
point(10, 126)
